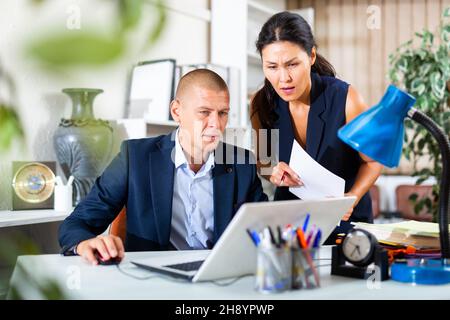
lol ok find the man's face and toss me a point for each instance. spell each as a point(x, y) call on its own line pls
point(202, 115)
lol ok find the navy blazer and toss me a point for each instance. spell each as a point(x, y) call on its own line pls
point(325, 118)
point(141, 178)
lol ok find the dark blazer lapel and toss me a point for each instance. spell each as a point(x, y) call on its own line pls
point(286, 131)
point(223, 188)
point(161, 180)
point(316, 125)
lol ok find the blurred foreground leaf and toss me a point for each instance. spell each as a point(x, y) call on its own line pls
point(10, 127)
point(160, 24)
point(76, 48)
point(58, 51)
point(130, 13)
point(10, 249)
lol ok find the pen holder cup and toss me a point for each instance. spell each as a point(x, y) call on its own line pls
point(273, 270)
point(63, 198)
point(305, 274)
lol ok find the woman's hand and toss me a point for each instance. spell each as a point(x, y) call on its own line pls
point(348, 214)
point(291, 179)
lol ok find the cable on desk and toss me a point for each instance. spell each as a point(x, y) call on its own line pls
point(215, 282)
point(132, 275)
point(323, 265)
point(225, 284)
point(150, 277)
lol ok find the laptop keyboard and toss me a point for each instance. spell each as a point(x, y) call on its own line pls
point(187, 266)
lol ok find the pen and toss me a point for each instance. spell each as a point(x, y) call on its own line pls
point(254, 236)
point(310, 236)
point(281, 240)
point(306, 252)
point(301, 238)
point(268, 246)
point(288, 235)
point(317, 239)
point(305, 224)
point(272, 238)
point(282, 178)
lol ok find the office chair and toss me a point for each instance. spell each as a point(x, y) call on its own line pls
point(404, 205)
point(119, 225)
point(375, 195)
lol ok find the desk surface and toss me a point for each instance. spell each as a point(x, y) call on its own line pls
point(10, 218)
point(83, 281)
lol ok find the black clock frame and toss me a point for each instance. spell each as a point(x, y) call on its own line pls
point(360, 270)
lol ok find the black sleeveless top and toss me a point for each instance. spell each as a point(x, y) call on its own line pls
point(326, 116)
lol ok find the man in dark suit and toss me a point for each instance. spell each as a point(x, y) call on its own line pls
point(180, 190)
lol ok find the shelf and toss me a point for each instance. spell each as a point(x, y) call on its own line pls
point(10, 218)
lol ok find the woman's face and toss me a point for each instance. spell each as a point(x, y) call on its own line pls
point(287, 66)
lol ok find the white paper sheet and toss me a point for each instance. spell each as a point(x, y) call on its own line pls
point(318, 182)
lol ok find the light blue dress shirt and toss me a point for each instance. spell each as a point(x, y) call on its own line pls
point(192, 203)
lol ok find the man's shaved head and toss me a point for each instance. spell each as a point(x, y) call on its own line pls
point(201, 108)
point(203, 78)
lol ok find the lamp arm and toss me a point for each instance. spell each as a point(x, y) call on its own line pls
point(444, 193)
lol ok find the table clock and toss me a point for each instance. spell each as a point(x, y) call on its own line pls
point(357, 251)
point(33, 185)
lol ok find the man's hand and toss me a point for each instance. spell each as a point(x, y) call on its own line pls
point(107, 246)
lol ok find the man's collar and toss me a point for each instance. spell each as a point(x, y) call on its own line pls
point(180, 156)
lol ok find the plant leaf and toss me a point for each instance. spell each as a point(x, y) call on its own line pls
point(447, 12)
point(76, 48)
point(130, 13)
point(160, 23)
point(10, 127)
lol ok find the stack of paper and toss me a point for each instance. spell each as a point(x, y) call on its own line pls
point(421, 235)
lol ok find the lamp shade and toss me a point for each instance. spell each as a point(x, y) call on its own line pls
point(378, 132)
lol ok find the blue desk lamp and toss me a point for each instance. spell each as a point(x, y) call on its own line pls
point(378, 133)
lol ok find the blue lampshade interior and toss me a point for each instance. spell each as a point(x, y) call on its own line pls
point(378, 132)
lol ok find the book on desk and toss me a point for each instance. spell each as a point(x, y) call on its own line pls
point(420, 235)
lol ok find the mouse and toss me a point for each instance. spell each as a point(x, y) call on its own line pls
point(103, 262)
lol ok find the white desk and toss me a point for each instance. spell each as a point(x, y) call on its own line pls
point(10, 218)
point(83, 281)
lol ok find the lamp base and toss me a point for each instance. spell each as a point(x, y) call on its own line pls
point(421, 271)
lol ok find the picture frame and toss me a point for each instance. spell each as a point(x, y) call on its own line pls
point(151, 89)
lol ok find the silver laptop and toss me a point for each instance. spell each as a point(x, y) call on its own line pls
point(234, 253)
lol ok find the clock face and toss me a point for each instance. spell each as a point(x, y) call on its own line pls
point(34, 182)
point(357, 246)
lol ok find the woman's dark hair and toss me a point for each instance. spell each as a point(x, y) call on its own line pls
point(284, 26)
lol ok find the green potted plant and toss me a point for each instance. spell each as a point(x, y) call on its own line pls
point(424, 71)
